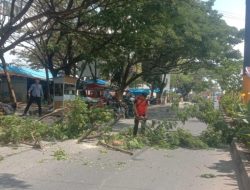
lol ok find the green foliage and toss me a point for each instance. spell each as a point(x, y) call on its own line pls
point(243, 135)
point(175, 101)
point(228, 75)
point(218, 132)
point(202, 109)
point(185, 83)
point(208, 176)
point(240, 115)
point(164, 135)
point(212, 137)
point(134, 143)
point(231, 104)
point(76, 118)
point(186, 113)
point(187, 140)
point(79, 118)
point(205, 111)
point(15, 130)
point(228, 132)
point(60, 154)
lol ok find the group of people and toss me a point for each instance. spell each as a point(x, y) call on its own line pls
point(140, 105)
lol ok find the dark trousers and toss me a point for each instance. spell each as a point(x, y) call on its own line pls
point(136, 126)
point(38, 101)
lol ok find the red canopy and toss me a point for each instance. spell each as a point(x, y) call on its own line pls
point(95, 86)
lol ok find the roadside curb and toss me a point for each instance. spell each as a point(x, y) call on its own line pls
point(242, 165)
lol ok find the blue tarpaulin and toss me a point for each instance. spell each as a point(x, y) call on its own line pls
point(98, 81)
point(26, 72)
point(137, 91)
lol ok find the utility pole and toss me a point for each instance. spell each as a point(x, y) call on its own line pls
point(246, 79)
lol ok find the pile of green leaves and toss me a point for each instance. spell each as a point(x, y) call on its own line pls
point(78, 119)
point(15, 130)
point(218, 132)
point(164, 135)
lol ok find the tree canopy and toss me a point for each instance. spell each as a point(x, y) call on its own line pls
point(126, 39)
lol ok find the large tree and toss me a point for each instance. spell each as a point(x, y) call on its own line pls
point(81, 38)
point(170, 36)
point(20, 20)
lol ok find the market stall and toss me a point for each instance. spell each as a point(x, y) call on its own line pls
point(64, 90)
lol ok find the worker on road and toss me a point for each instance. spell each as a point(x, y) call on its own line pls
point(140, 110)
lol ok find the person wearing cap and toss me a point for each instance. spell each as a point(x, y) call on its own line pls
point(140, 110)
point(35, 94)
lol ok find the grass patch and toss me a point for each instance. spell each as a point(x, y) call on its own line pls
point(208, 176)
point(60, 154)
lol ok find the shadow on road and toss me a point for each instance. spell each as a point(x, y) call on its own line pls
point(9, 181)
point(227, 169)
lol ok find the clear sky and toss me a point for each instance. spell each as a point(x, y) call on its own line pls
point(234, 14)
point(233, 11)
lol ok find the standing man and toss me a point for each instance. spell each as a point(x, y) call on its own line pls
point(35, 94)
point(140, 109)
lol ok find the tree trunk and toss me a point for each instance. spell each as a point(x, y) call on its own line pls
point(10, 87)
point(48, 85)
point(83, 67)
point(67, 70)
point(119, 94)
point(161, 87)
point(152, 90)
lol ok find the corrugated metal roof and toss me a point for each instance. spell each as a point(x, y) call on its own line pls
point(25, 72)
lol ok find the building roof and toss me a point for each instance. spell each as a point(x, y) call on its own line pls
point(25, 72)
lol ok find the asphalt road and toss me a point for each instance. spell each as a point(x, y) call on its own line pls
point(89, 167)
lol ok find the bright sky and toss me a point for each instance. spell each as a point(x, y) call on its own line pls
point(233, 11)
point(234, 14)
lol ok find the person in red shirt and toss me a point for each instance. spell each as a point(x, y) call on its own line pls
point(140, 109)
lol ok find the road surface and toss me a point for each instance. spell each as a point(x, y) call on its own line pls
point(89, 167)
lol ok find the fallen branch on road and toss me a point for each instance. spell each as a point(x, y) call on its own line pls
point(97, 129)
point(57, 111)
point(85, 135)
point(114, 148)
point(34, 145)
